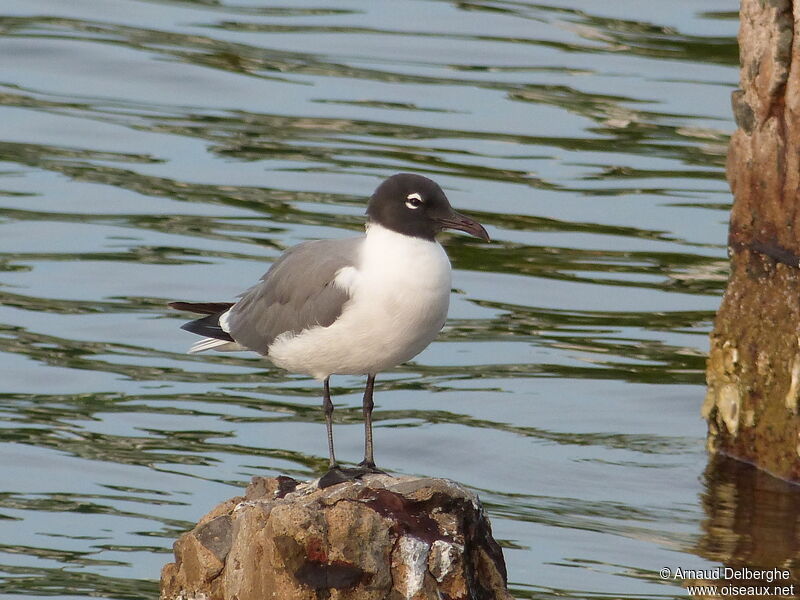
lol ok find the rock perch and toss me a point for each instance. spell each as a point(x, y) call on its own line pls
point(378, 537)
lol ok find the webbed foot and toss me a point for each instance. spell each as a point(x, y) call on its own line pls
point(339, 474)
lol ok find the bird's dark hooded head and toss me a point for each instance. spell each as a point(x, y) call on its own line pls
point(416, 206)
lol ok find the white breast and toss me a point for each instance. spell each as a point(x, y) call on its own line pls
point(400, 292)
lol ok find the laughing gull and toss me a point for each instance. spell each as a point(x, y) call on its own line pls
point(354, 306)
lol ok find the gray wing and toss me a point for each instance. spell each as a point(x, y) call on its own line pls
point(296, 293)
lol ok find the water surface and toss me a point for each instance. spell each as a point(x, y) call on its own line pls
point(160, 150)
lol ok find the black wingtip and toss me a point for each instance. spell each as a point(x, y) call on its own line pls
point(201, 308)
point(208, 327)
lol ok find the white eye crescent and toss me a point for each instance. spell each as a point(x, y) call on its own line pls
point(413, 201)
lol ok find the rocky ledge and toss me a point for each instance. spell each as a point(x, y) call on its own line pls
point(376, 537)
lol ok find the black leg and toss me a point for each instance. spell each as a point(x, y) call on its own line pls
point(369, 458)
point(327, 407)
point(337, 474)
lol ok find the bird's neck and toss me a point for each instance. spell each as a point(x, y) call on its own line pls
point(377, 234)
point(393, 256)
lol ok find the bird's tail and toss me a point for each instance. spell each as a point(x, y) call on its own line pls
point(214, 336)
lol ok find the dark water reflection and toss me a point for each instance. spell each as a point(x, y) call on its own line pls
point(154, 150)
point(752, 518)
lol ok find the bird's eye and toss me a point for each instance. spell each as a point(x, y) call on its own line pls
point(413, 201)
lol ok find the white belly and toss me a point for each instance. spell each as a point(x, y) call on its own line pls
point(400, 292)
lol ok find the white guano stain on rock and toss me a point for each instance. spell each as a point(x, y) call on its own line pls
point(412, 553)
